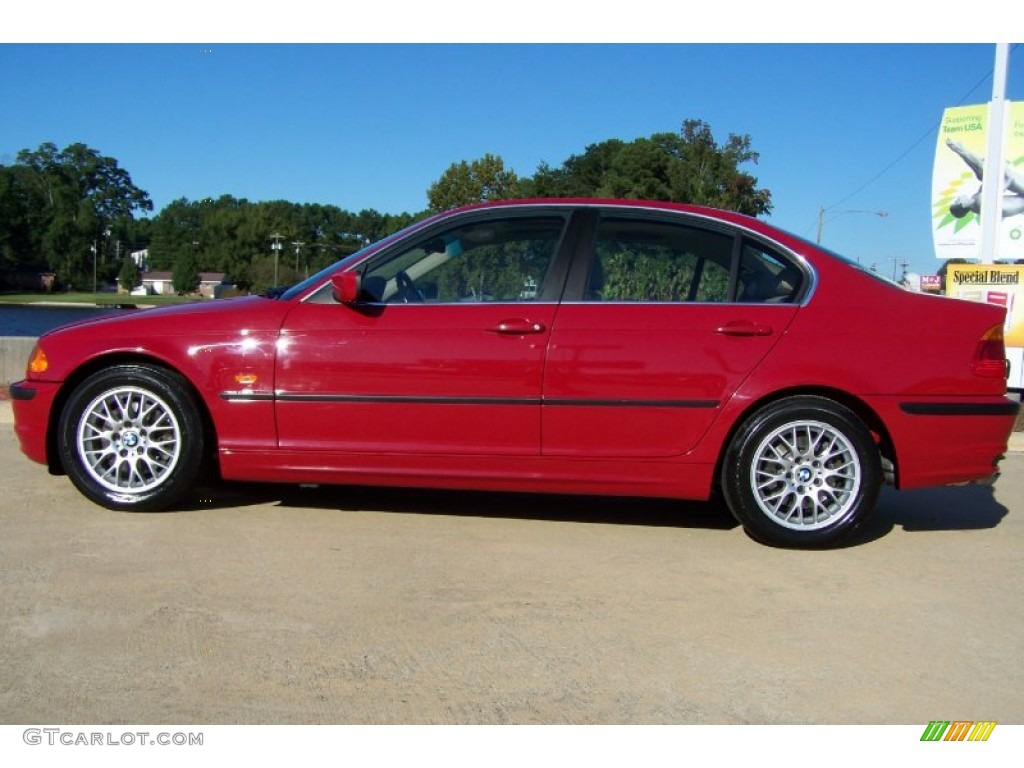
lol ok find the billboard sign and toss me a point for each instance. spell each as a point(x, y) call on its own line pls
point(957, 179)
point(1001, 284)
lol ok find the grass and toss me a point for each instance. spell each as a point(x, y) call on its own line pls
point(99, 299)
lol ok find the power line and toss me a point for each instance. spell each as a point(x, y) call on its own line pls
point(927, 134)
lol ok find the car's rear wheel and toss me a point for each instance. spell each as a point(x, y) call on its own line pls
point(802, 472)
point(131, 438)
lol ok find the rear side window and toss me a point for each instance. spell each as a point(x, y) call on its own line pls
point(767, 278)
point(653, 261)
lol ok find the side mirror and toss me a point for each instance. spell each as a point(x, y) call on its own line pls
point(346, 287)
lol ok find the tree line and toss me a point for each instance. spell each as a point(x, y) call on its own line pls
point(77, 214)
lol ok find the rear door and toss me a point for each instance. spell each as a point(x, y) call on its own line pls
point(662, 321)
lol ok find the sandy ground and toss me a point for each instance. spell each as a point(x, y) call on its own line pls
point(282, 605)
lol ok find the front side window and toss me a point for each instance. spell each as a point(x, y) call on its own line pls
point(501, 260)
point(652, 261)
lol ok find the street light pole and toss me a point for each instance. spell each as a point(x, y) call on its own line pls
point(95, 253)
point(276, 248)
point(821, 218)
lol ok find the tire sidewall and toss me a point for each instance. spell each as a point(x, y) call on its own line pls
point(175, 392)
point(740, 457)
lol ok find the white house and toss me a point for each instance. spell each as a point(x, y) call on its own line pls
point(162, 283)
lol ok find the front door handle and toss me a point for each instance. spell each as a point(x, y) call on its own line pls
point(517, 327)
point(744, 328)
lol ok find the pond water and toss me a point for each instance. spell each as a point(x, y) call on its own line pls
point(35, 320)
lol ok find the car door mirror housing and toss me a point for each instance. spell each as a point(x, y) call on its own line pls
point(346, 287)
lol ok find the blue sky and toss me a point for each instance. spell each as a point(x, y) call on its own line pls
point(851, 127)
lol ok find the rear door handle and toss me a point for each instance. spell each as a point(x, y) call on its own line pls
point(744, 328)
point(517, 327)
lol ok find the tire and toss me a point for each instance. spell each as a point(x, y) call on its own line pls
point(131, 438)
point(802, 472)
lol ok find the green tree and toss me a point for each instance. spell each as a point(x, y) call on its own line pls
point(185, 275)
point(72, 198)
point(175, 231)
point(709, 173)
point(476, 182)
point(15, 229)
point(261, 272)
point(579, 176)
point(129, 276)
point(685, 167)
point(640, 170)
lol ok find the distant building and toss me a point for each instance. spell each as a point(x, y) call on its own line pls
point(26, 279)
point(162, 283)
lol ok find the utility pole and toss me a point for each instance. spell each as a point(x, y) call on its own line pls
point(298, 244)
point(897, 263)
point(893, 259)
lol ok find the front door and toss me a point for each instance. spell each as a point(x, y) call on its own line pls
point(444, 354)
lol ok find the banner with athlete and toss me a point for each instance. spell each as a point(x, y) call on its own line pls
point(958, 176)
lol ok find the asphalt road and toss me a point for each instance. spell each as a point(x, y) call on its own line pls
point(284, 605)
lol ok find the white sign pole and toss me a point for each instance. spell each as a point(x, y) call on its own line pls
point(994, 182)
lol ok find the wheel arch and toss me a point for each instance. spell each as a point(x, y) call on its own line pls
point(859, 407)
point(96, 364)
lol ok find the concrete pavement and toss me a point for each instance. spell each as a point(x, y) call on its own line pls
point(274, 604)
point(1017, 442)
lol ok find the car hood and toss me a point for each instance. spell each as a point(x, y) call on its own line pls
point(168, 320)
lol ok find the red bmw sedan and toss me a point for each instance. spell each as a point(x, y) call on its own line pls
point(571, 346)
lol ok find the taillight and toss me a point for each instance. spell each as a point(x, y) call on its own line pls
point(37, 362)
point(990, 356)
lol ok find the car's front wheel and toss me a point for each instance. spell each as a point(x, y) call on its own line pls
point(802, 472)
point(131, 438)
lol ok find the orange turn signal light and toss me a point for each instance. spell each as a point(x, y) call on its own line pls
point(37, 362)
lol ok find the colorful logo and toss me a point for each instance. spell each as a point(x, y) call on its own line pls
point(958, 730)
